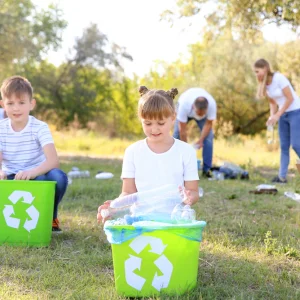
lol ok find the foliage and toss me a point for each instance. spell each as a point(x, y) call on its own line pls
point(224, 67)
point(90, 87)
point(82, 88)
point(27, 34)
point(243, 18)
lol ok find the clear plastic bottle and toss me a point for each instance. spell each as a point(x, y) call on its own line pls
point(201, 192)
point(157, 201)
point(115, 213)
point(78, 174)
point(270, 134)
point(217, 175)
point(293, 196)
point(183, 214)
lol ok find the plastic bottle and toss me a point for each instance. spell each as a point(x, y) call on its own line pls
point(201, 192)
point(217, 175)
point(104, 175)
point(115, 213)
point(270, 134)
point(293, 196)
point(78, 174)
point(153, 202)
point(183, 214)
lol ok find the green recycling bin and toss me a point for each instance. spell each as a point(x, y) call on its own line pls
point(26, 212)
point(154, 258)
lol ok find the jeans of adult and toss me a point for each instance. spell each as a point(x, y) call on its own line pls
point(61, 185)
point(289, 135)
point(207, 152)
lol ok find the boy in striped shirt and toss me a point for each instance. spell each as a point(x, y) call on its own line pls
point(27, 150)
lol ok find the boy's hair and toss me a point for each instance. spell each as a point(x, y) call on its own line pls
point(201, 103)
point(156, 104)
point(16, 85)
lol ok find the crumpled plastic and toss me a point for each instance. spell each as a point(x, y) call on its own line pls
point(118, 234)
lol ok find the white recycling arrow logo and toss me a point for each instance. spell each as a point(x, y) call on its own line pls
point(32, 212)
point(134, 262)
point(10, 221)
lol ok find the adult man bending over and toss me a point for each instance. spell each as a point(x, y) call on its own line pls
point(197, 104)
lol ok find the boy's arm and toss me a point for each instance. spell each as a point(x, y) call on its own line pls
point(50, 163)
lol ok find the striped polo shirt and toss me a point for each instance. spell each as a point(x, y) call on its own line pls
point(23, 150)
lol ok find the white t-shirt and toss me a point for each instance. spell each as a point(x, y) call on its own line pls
point(185, 105)
point(152, 170)
point(274, 91)
point(23, 150)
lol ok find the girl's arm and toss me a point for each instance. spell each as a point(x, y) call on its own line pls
point(289, 99)
point(50, 163)
point(128, 187)
point(192, 192)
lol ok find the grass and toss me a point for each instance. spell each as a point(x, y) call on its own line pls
point(248, 152)
point(250, 247)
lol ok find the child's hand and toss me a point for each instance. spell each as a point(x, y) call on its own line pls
point(105, 205)
point(25, 175)
point(2, 175)
point(190, 196)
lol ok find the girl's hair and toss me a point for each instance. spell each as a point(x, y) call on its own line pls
point(262, 85)
point(16, 85)
point(156, 104)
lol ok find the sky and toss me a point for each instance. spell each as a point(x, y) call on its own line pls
point(136, 25)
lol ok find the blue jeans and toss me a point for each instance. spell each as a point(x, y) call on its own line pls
point(207, 152)
point(61, 185)
point(289, 135)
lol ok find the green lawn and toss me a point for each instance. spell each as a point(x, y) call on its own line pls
point(250, 247)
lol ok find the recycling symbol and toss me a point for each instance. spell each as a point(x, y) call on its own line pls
point(134, 262)
point(31, 211)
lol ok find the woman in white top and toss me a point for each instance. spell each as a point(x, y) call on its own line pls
point(284, 109)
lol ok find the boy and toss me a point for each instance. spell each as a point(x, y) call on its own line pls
point(27, 151)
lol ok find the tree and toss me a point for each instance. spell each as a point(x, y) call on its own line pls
point(93, 55)
point(26, 33)
point(244, 18)
point(84, 87)
point(224, 68)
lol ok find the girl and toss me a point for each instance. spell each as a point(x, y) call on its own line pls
point(284, 109)
point(159, 159)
